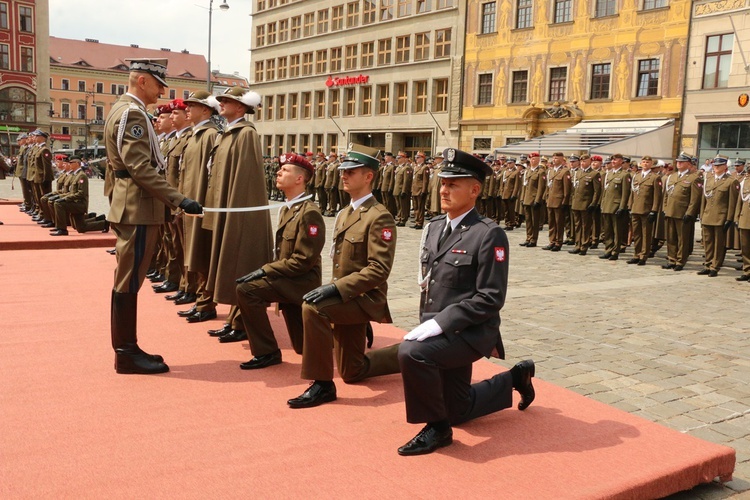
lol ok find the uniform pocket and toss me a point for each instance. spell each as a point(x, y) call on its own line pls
point(459, 271)
point(355, 245)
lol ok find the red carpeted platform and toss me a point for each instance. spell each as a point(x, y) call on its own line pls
point(19, 232)
point(72, 428)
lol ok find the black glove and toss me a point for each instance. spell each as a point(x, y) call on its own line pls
point(651, 216)
point(191, 206)
point(513, 198)
point(255, 275)
point(727, 225)
point(621, 211)
point(591, 208)
point(53, 197)
point(688, 218)
point(536, 204)
point(321, 293)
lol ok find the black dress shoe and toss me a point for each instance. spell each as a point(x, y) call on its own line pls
point(531, 245)
point(574, 251)
point(744, 277)
point(369, 335)
point(49, 224)
point(556, 248)
point(678, 268)
point(428, 440)
point(134, 360)
point(151, 272)
point(614, 257)
point(582, 252)
point(605, 256)
point(569, 242)
point(713, 274)
point(262, 361)
point(317, 394)
point(524, 244)
point(189, 312)
point(508, 228)
point(233, 336)
point(187, 298)
point(221, 331)
point(642, 262)
point(166, 287)
point(594, 246)
point(200, 316)
point(59, 232)
point(704, 272)
point(633, 261)
point(668, 266)
point(106, 227)
point(417, 226)
point(157, 278)
point(522, 374)
point(112, 251)
point(548, 247)
point(175, 296)
point(42, 222)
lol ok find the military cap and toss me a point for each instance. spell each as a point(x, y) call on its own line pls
point(523, 157)
point(74, 158)
point(720, 160)
point(683, 157)
point(617, 155)
point(437, 155)
point(462, 164)
point(585, 157)
point(558, 154)
point(647, 157)
point(420, 154)
point(694, 160)
point(307, 153)
point(39, 133)
point(510, 160)
point(388, 154)
point(360, 156)
point(205, 98)
point(596, 158)
point(626, 159)
point(250, 99)
point(298, 160)
point(22, 136)
point(739, 161)
point(534, 155)
point(178, 104)
point(489, 159)
point(154, 67)
point(574, 158)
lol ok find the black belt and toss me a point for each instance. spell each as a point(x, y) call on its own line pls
point(122, 174)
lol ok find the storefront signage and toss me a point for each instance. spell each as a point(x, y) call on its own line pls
point(61, 137)
point(346, 81)
point(8, 128)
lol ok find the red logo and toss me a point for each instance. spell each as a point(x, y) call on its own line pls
point(345, 81)
point(312, 231)
point(499, 254)
point(387, 234)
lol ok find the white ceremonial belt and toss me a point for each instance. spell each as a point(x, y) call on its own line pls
point(249, 209)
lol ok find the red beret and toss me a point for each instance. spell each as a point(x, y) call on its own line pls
point(534, 155)
point(295, 159)
point(163, 108)
point(309, 153)
point(178, 104)
point(596, 158)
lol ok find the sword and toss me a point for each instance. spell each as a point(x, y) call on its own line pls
point(247, 209)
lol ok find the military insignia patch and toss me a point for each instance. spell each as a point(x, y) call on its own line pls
point(136, 131)
point(312, 229)
point(282, 158)
point(499, 254)
point(387, 234)
point(450, 154)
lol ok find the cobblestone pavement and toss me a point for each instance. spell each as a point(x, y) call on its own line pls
point(671, 347)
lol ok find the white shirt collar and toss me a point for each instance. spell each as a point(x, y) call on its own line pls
point(235, 121)
point(179, 132)
point(201, 123)
point(455, 222)
point(134, 97)
point(290, 203)
point(358, 203)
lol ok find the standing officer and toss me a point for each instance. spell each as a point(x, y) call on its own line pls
point(331, 186)
point(338, 313)
point(434, 204)
point(720, 191)
point(419, 188)
point(683, 191)
point(558, 199)
point(587, 192)
point(596, 224)
point(534, 188)
point(319, 181)
point(510, 187)
point(295, 270)
point(645, 205)
point(138, 205)
point(402, 188)
point(464, 265)
point(387, 184)
point(615, 196)
point(21, 170)
point(742, 222)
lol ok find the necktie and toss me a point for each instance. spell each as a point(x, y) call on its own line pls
point(445, 235)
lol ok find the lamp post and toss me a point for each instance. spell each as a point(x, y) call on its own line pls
point(223, 7)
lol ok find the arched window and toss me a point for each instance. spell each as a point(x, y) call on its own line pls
point(17, 105)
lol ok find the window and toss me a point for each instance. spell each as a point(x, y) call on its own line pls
point(309, 25)
point(600, 76)
point(291, 142)
point(293, 106)
point(306, 104)
point(440, 93)
point(443, 43)
point(17, 105)
point(280, 107)
point(283, 30)
point(654, 4)
point(99, 113)
point(386, 10)
point(172, 94)
point(66, 130)
point(320, 104)
point(81, 111)
point(27, 59)
point(648, 77)
point(99, 88)
point(321, 61)
point(65, 110)
point(65, 84)
point(525, 14)
point(423, 6)
point(3, 16)
point(558, 82)
point(384, 51)
point(268, 141)
point(25, 20)
point(352, 14)
point(296, 29)
point(384, 94)
point(334, 98)
point(484, 90)
point(421, 46)
point(420, 96)
point(294, 66)
point(185, 95)
point(337, 18)
point(605, 8)
point(280, 145)
point(259, 71)
point(81, 86)
point(488, 17)
point(520, 86)
point(307, 63)
point(335, 59)
point(120, 89)
point(260, 35)
point(718, 59)
point(402, 48)
point(404, 8)
point(113, 89)
point(322, 21)
point(318, 142)
point(5, 56)
point(282, 65)
point(482, 143)
point(563, 11)
point(724, 135)
point(350, 98)
point(369, 11)
point(365, 100)
point(368, 54)
point(444, 4)
point(261, 5)
point(351, 57)
point(402, 97)
point(305, 140)
point(271, 69)
point(269, 107)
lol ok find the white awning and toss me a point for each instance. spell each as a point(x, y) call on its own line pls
point(633, 138)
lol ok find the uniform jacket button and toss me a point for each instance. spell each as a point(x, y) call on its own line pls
point(429, 301)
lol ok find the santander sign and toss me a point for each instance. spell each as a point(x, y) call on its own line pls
point(346, 81)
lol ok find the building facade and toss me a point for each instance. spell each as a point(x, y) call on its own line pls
point(383, 73)
point(538, 67)
point(717, 112)
point(24, 72)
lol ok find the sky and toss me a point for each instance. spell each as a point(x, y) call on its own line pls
point(153, 24)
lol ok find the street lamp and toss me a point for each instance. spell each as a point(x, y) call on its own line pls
point(223, 7)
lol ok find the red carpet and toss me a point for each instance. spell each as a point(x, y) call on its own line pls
point(72, 428)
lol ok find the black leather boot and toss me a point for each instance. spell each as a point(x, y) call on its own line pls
point(129, 358)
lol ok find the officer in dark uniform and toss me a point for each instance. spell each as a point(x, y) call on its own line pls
point(464, 277)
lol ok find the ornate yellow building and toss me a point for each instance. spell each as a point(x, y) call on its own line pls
point(534, 68)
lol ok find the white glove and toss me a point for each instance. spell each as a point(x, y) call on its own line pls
point(424, 331)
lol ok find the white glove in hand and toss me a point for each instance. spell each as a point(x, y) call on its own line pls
point(424, 331)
